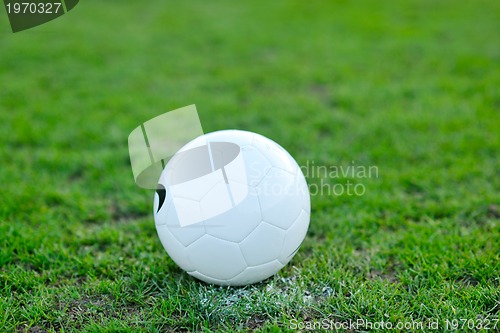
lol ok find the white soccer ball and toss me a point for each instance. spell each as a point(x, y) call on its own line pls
point(232, 207)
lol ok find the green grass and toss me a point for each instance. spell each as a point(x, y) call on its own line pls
point(411, 87)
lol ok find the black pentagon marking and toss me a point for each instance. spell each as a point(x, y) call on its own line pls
point(162, 194)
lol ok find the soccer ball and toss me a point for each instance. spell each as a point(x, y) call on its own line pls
point(232, 207)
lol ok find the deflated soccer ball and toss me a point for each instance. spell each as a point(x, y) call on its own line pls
point(232, 208)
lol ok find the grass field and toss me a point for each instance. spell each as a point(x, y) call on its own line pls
point(411, 87)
